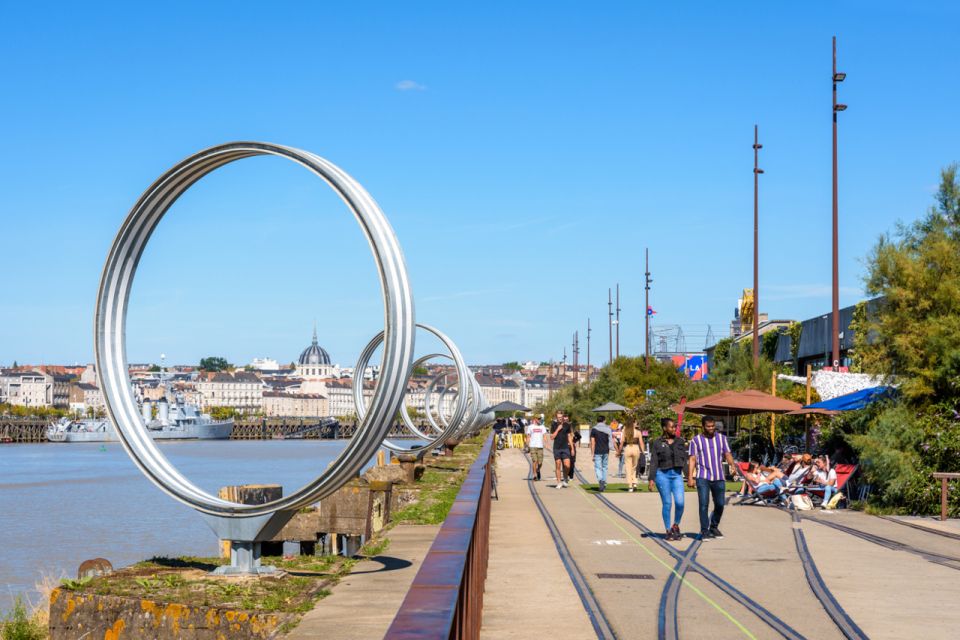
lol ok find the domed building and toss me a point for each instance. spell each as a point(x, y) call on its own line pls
point(314, 361)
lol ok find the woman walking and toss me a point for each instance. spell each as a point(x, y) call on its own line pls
point(631, 448)
point(668, 457)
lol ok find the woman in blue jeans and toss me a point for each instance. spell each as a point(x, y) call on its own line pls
point(668, 457)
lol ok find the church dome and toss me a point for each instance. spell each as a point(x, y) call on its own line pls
point(315, 354)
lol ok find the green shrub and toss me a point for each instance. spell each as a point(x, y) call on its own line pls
point(17, 625)
point(900, 451)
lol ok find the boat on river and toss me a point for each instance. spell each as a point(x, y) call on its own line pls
point(179, 421)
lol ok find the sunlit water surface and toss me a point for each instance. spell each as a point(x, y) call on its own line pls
point(61, 504)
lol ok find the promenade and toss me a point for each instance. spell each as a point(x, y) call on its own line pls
point(587, 565)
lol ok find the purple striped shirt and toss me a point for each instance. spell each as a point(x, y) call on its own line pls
point(710, 453)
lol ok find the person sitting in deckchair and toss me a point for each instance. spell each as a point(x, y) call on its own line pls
point(824, 478)
point(801, 471)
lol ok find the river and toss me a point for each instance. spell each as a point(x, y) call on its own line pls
point(61, 504)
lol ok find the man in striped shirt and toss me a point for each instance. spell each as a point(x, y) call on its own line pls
point(707, 452)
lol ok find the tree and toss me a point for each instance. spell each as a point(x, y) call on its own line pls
point(512, 366)
point(420, 371)
point(155, 368)
point(916, 328)
point(214, 363)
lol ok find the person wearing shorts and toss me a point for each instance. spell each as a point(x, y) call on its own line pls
point(562, 436)
point(534, 434)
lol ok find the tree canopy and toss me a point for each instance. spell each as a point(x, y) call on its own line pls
point(917, 327)
point(214, 363)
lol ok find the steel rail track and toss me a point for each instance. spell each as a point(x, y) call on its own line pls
point(945, 534)
point(844, 622)
point(951, 562)
point(744, 600)
point(594, 611)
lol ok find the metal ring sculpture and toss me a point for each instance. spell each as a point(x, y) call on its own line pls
point(111, 313)
point(459, 416)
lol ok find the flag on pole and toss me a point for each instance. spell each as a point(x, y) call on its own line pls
point(650, 311)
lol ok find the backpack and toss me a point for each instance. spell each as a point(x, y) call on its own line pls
point(802, 502)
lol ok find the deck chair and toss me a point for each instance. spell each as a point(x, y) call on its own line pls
point(771, 495)
point(844, 473)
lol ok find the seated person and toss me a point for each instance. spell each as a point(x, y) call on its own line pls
point(761, 482)
point(773, 473)
point(824, 478)
point(800, 472)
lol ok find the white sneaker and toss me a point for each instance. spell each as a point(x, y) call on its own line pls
point(558, 486)
point(565, 485)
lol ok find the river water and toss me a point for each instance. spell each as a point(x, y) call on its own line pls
point(61, 504)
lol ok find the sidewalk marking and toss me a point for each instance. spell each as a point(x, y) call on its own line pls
point(669, 568)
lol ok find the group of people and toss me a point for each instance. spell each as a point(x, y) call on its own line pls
point(671, 456)
point(794, 471)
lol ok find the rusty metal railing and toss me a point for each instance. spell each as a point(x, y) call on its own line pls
point(446, 598)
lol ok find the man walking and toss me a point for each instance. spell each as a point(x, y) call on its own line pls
point(600, 436)
point(707, 452)
point(562, 445)
point(533, 435)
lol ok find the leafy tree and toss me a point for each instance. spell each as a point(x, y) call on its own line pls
point(214, 363)
point(154, 368)
point(917, 327)
point(768, 345)
point(420, 371)
point(512, 366)
point(15, 365)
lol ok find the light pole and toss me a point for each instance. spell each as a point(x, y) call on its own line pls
point(756, 244)
point(617, 321)
point(588, 349)
point(610, 321)
point(646, 313)
point(837, 108)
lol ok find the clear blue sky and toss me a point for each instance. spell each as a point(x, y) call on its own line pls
point(525, 157)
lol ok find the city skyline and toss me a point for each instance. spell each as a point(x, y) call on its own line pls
point(544, 148)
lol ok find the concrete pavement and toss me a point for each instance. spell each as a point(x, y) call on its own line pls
point(889, 580)
point(364, 603)
point(527, 584)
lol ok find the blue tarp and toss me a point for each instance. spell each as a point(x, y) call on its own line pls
point(855, 400)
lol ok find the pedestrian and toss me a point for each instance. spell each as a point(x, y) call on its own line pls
point(533, 436)
point(631, 449)
point(562, 444)
point(617, 428)
point(668, 457)
point(600, 437)
point(574, 445)
point(707, 452)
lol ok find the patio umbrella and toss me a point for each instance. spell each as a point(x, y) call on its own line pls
point(610, 406)
point(742, 403)
point(508, 405)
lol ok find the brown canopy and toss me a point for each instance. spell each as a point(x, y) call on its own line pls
point(740, 403)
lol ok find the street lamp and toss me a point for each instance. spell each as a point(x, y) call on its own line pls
point(756, 244)
point(837, 108)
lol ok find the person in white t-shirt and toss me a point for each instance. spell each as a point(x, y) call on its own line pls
point(825, 478)
point(533, 434)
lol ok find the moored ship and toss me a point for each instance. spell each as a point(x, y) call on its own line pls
point(181, 421)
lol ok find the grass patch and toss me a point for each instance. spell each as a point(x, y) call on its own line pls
point(17, 624)
point(187, 581)
point(440, 484)
point(438, 490)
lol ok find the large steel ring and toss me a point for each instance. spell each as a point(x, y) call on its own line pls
point(111, 312)
point(461, 403)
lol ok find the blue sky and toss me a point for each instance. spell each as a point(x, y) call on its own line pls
point(525, 156)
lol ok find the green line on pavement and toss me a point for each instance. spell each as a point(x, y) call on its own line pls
point(683, 580)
